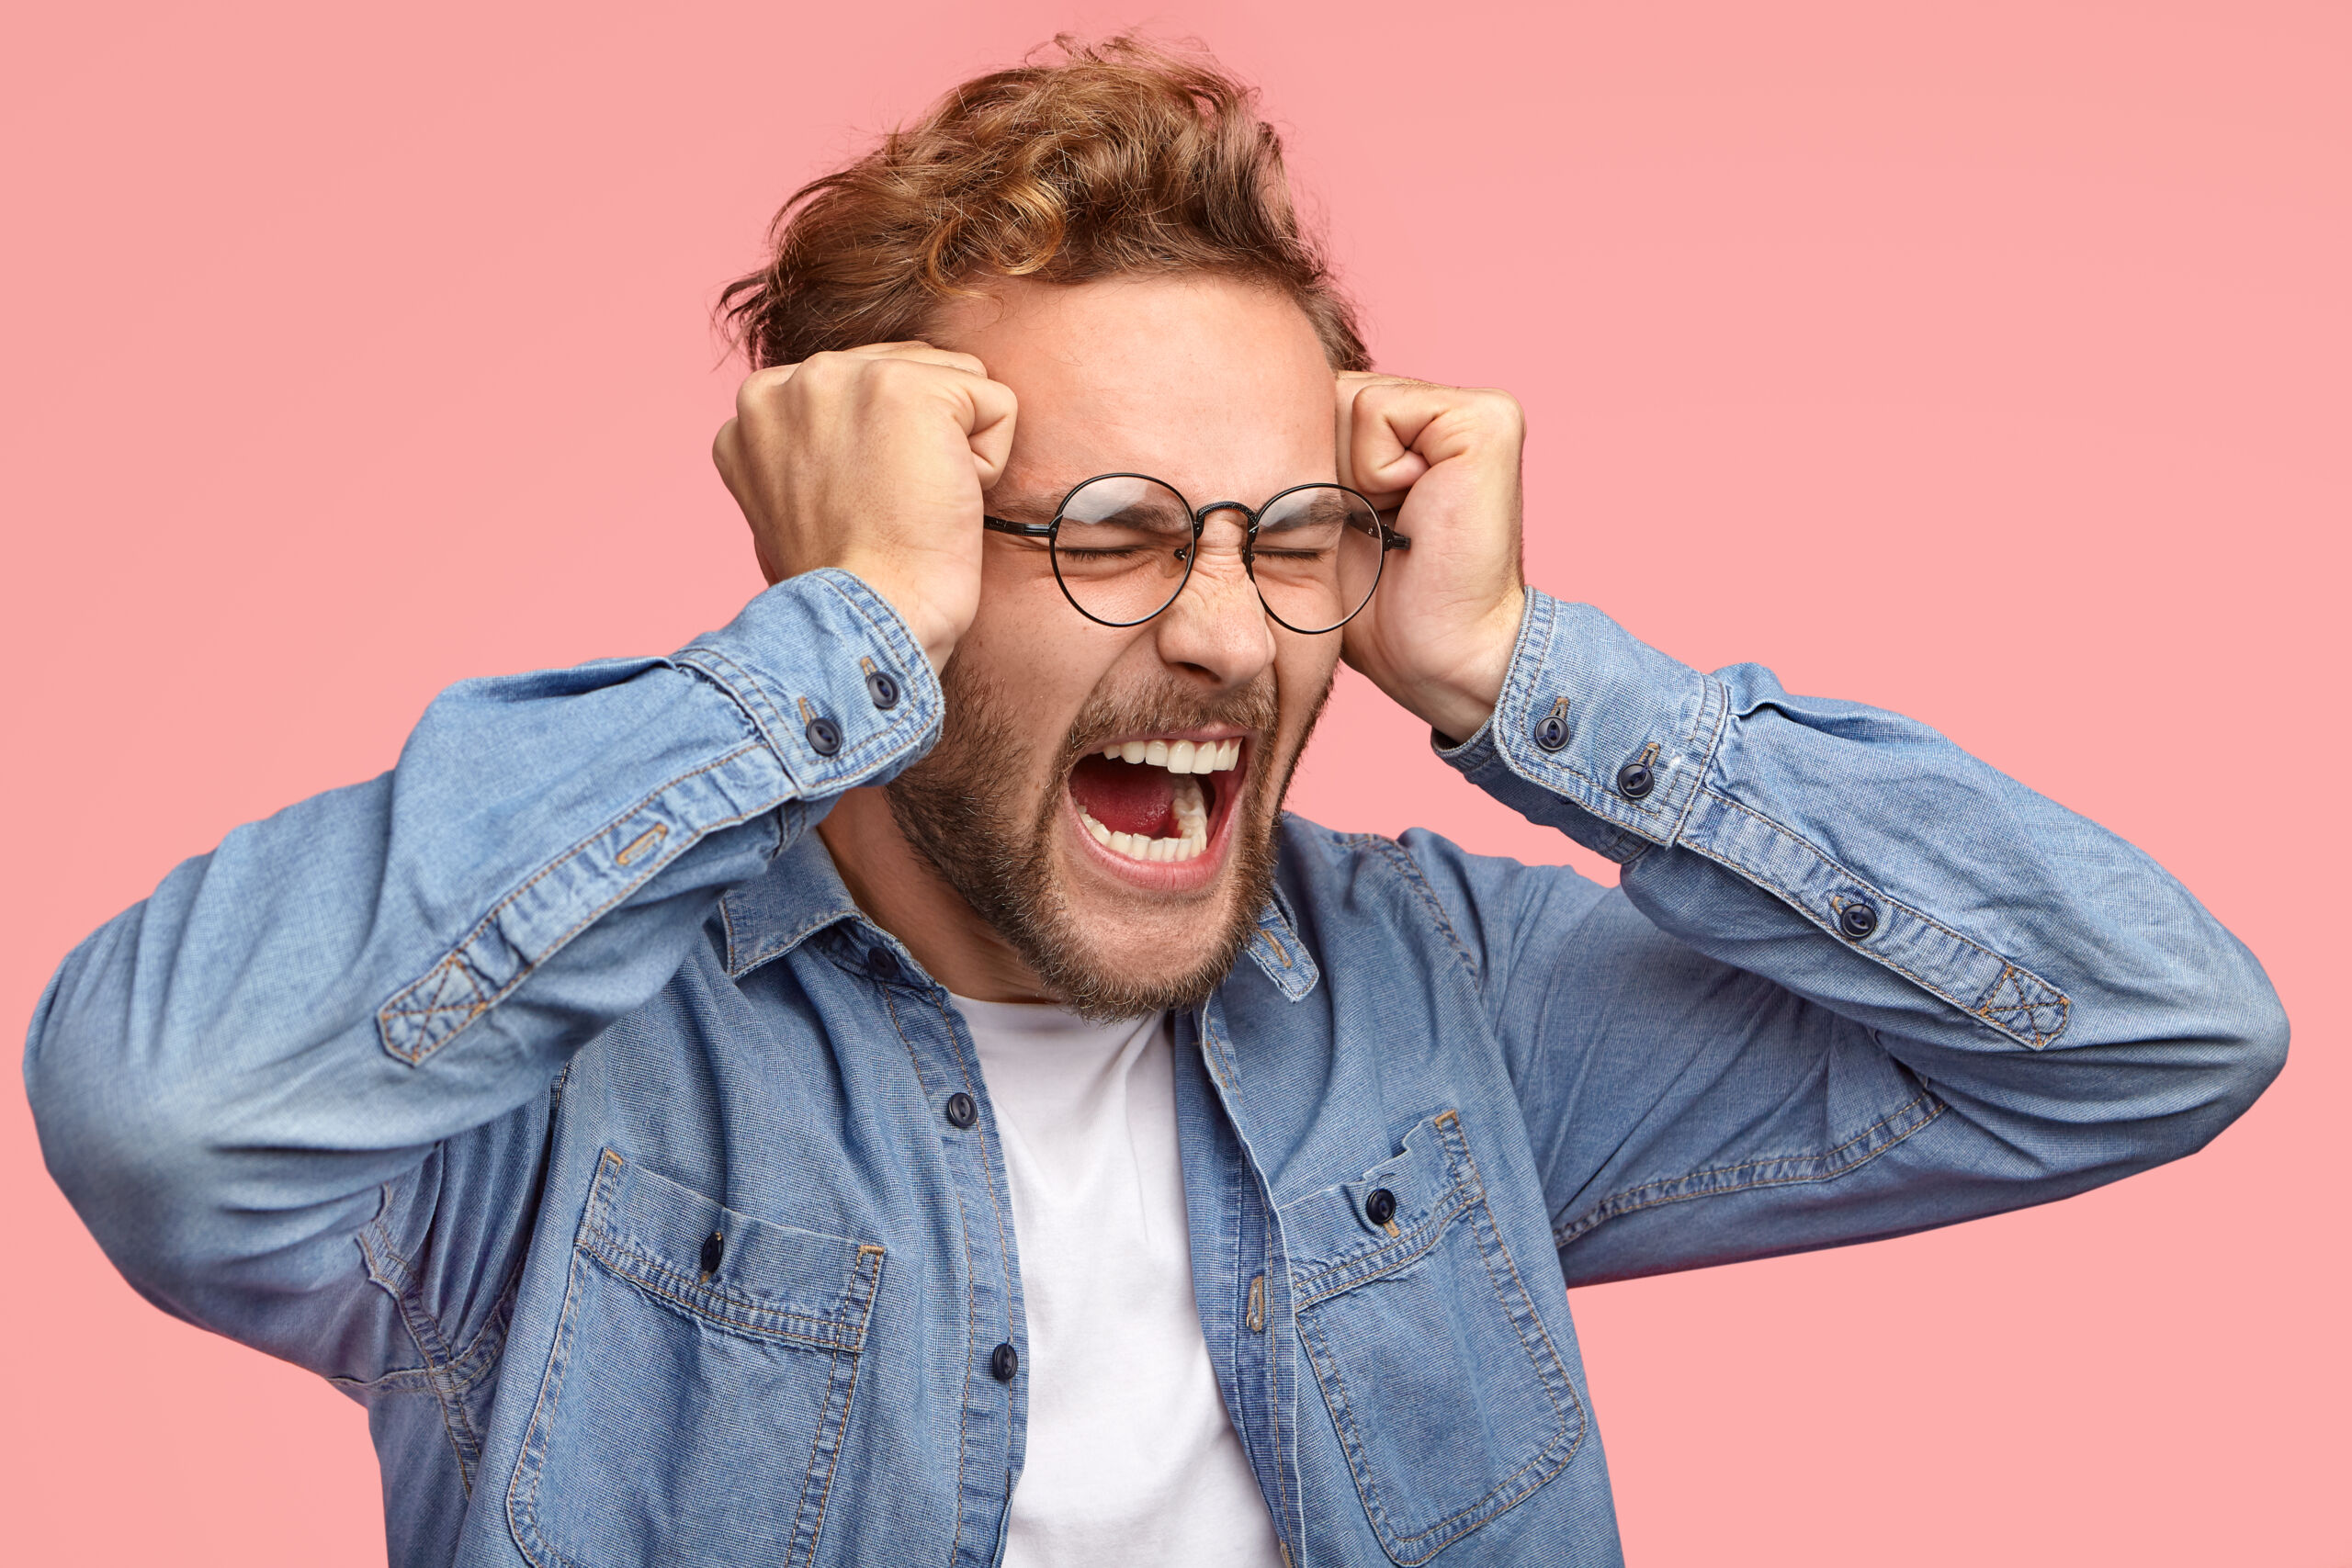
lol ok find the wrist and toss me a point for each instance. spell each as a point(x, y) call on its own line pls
point(1460, 692)
point(935, 628)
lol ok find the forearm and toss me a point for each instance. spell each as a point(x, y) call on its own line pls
point(2035, 972)
point(225, 1074)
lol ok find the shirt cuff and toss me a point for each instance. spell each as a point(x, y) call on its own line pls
point(1595, 720)
point(831, 677)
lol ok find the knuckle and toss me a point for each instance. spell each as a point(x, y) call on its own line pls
point(1503, 408)
point(762, 388)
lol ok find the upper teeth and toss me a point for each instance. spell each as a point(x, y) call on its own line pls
point(1180, 756)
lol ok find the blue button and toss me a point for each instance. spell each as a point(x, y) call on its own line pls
point(1857, 920)
point(1551, 732)
point(1003, 1362)
point(882, 688)
point(824, 737)
point(1634, 780)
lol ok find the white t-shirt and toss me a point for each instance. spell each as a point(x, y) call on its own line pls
point(1131, 1457)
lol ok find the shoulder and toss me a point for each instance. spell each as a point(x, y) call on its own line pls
point(1425, 883)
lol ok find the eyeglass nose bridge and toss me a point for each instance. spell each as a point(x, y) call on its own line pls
point(1201, 516)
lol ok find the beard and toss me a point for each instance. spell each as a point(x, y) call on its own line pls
point(959, 808)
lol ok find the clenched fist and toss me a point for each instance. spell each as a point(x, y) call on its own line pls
point(873, 459)
point(1438, 636)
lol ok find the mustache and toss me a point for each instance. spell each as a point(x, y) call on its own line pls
point(1168, 707)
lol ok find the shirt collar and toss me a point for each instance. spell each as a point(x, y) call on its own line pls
point(801, 894)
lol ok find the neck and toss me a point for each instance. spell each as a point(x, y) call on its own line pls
point(903, 892)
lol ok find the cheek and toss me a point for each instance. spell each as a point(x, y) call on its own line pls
point(1022, 618)
point(1302, 670)
point(1034, 655)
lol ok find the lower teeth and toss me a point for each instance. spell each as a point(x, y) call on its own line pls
point(1192, 820)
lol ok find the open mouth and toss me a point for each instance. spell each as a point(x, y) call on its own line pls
point(1156, 801)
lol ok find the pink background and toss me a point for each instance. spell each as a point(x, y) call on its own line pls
point(1989, 363)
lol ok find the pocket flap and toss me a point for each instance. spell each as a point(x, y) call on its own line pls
point(770, 1281)
point(1334, 1241)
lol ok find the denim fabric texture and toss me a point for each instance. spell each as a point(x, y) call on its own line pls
point(550, 1097)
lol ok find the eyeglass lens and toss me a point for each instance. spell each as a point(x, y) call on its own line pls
point(1124, 543)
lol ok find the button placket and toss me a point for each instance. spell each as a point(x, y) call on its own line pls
point(1264, 1360)
point(987, 1298)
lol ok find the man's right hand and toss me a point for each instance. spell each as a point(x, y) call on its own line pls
point(873, 459)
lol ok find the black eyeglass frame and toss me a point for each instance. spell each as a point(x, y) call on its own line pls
point(1390, 540)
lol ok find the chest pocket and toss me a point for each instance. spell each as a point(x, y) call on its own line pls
point(695, 1401)
point(1449, 1396)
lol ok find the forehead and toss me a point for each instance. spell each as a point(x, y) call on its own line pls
point(1217, 385)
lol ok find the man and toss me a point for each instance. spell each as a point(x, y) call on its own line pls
point(886, 1084)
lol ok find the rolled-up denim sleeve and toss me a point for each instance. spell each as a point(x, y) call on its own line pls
point(1853, 982)
point(233, 1077)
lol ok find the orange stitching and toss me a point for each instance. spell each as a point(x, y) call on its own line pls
point(1360, 1469)
point(1408, 870)
point(456, 954)
point(644, 840)
point(1606, 1210)
point(1787, 895)
point(540, 1409)
point(1425, 1235)
point(1521, 1284)
point(850, 1400)
point(607, 1249)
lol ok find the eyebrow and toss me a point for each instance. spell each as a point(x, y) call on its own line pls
point(1026, 501)
point(1327, 507)
point(1036, 505)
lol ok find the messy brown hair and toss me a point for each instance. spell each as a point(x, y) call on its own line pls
point(1088, 160)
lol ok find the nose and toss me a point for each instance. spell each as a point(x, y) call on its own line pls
point(1217, 630)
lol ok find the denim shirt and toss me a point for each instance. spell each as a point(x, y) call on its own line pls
point(550, 1097)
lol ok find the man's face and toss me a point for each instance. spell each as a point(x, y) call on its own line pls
point(1221, 389)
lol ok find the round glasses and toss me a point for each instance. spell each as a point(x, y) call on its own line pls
point(1124, 547)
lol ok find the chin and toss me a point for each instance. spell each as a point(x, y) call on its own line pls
point(1130, 874)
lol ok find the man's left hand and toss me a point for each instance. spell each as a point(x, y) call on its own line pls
point(1438, 636)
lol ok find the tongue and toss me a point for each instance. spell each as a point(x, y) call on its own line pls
point(1126, 797)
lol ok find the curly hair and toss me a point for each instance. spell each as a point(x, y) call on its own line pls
point(1101, 160)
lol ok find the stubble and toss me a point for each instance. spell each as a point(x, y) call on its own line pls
point(958, 808)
